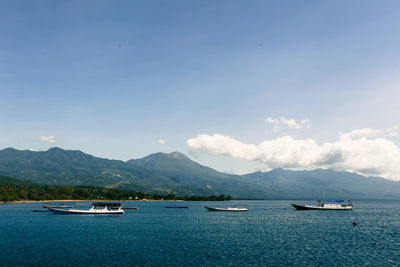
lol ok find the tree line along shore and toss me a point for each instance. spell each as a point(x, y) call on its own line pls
point(12, 190)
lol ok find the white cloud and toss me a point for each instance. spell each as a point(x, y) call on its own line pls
point(393, 132)
point(275, 124)
point(369, 132)
point(360, 133)
point(160, 142)
point(48, 139)
point(289, 123)
point(358, 151)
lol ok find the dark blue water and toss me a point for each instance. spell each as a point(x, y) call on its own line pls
point(271, 233)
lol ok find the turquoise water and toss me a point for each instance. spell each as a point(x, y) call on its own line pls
point(271, 233)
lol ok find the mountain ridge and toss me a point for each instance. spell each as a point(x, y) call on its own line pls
point(176, 173)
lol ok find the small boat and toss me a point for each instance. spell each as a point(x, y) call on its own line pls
point(97, 208)
point(326, 205)
point(238, 207)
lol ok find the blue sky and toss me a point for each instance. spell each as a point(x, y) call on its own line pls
point(111, 78)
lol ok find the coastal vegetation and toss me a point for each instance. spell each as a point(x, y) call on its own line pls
point(12, 189)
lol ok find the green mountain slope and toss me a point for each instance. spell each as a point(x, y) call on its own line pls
point(65, 167)
point(189, 174)
point(175, 173)
point(6, 180)
point(335, 184)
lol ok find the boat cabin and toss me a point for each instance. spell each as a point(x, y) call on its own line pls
point(333, 203)
point(107, 205)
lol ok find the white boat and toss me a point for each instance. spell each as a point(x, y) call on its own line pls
point(98, 208)
point(239, 207)
point(326, 205)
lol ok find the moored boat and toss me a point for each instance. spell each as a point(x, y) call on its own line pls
point(239, 207)
point(98, 208)
point(326, 205)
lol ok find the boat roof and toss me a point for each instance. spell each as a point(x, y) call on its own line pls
point(339, 200)
point(107, 204)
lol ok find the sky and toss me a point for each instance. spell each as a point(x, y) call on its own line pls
point(239, 86)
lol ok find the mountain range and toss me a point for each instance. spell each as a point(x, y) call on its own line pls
point(175, 173)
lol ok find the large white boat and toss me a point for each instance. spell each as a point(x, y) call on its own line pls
point(326, 205)
point(238, 207)
point(98, 208)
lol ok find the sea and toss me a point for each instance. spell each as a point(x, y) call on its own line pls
point(271, 233)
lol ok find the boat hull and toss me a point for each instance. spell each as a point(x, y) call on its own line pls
point(225, 209)
point(86, 212)
point(306, 207)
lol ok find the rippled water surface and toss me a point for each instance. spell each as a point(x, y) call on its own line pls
point(271, 233)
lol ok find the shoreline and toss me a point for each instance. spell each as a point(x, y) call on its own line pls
point(36, 201)
point(78, 200)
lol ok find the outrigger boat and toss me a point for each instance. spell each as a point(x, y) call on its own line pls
point(238, 207)
point(97, 209)
point(326, 205)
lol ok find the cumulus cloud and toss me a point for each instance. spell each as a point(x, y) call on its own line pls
point(48, 139)
point(160, 142)
point(393, 132)
point(360, 133)
point(275, 123)
point(291, 123)
point(369, 132)
point(288, 123)
point(359, 151)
